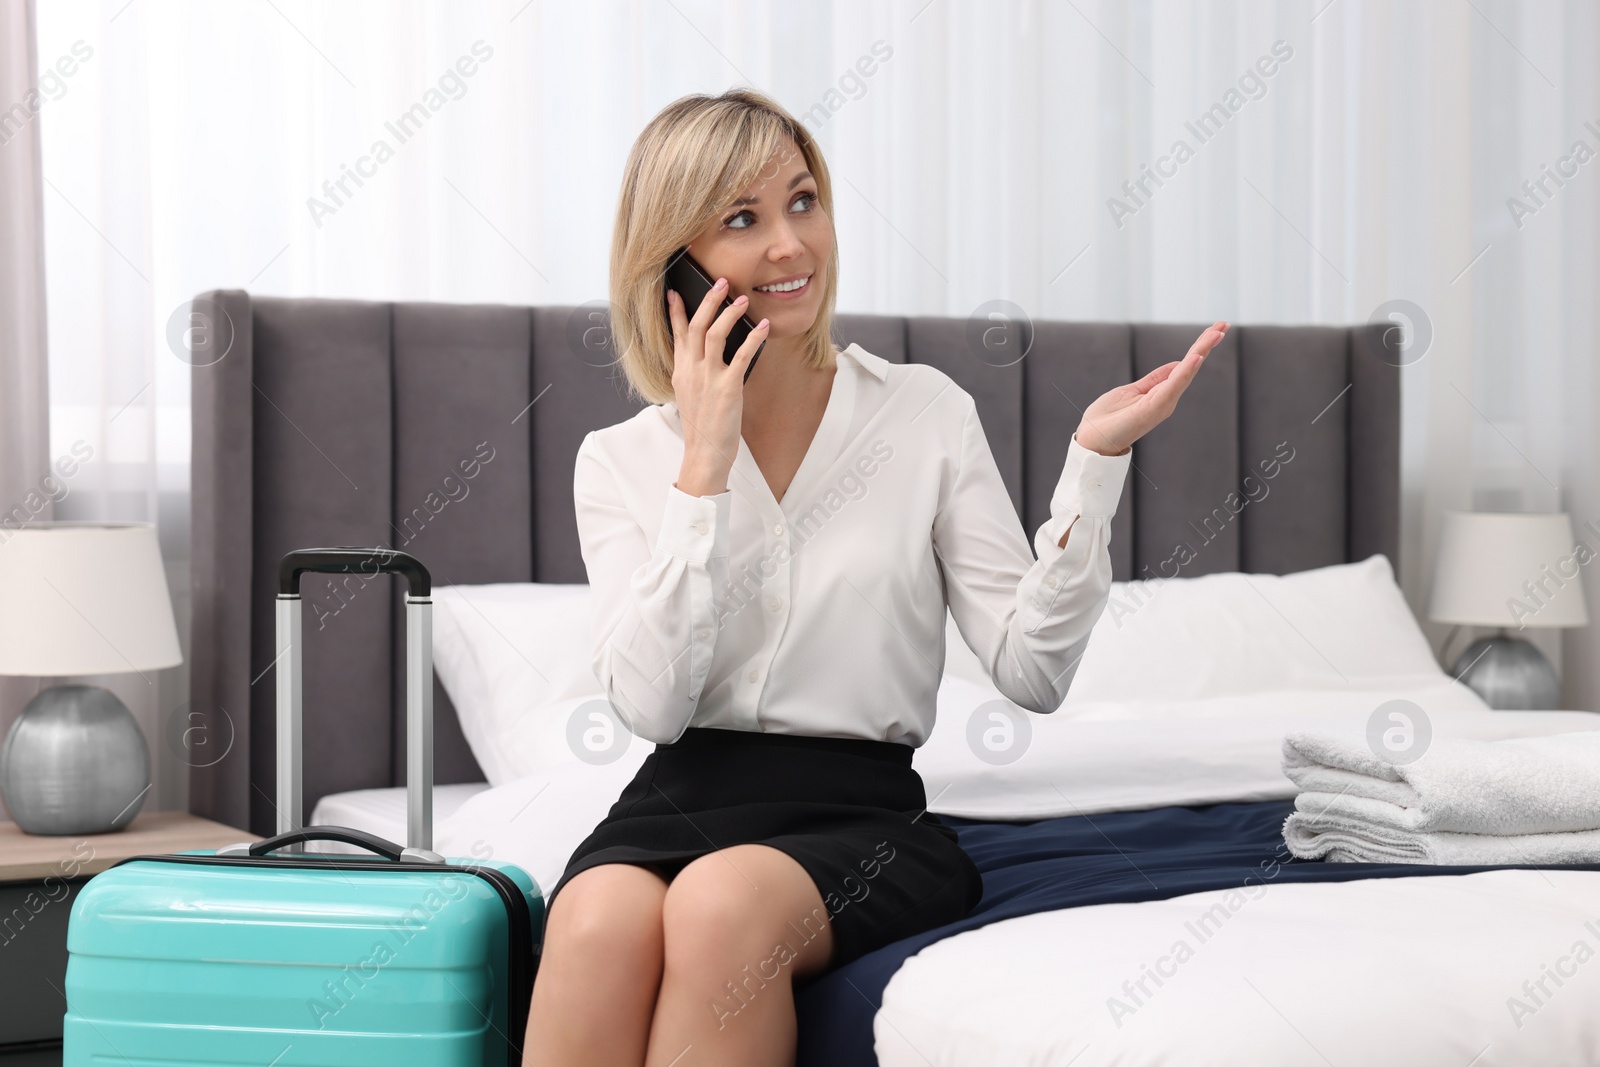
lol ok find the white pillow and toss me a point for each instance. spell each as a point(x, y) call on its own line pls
point(1332, 628)
point(514, 658)
point(1338, 628)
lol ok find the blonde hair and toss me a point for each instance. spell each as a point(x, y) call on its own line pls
point(693, 159)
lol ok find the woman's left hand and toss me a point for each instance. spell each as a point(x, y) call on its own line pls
point(1119, 418)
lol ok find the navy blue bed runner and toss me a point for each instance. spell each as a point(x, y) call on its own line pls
point(1117, 857)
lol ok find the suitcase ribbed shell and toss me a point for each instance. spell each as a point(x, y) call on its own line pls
point(292, 961)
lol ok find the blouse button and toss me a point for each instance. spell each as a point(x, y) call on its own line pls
point(754, 675)
point(774, 603)
point(699, 527)
point(702, 634)
point(1052, 581)
point(777, 530)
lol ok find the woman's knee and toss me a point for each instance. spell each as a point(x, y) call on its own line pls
point(612, 911)
point(737, 906)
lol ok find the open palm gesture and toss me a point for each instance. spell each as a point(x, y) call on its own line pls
point(1119, 418)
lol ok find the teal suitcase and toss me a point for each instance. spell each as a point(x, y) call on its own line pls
point(266, 954)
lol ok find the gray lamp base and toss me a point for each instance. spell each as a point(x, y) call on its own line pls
point(1509, 674)
point(74, 762)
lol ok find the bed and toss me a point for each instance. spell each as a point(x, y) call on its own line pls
point(1130, 822)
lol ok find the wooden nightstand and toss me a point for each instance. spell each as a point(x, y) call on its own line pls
point(39, 879)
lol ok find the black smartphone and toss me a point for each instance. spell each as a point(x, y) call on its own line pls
point(691, 282)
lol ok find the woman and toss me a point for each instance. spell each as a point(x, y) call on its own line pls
point(771, 563)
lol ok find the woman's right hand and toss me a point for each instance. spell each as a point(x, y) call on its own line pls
point(709, 393)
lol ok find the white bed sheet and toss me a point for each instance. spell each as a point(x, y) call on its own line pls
point(1393, 972)
point(382, 812)
point(1131, 756)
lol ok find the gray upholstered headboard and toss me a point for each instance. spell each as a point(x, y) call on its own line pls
point(337, 422)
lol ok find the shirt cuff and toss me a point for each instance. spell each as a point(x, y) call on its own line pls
point(1090, 484)
point(694, 528)
point(1090, 487)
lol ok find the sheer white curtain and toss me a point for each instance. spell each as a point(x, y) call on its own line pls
point(28, 488)
point(1341, 154)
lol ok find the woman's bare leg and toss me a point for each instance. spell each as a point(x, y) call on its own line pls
point(740, 925)
point(600, 970)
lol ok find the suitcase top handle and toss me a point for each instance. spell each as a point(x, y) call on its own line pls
point(352, 560)
point(343, 834)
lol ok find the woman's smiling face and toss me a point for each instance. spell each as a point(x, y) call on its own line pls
point(773, 245)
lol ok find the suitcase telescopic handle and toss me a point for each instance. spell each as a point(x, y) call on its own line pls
point(343, 834)
point(419, 678)
point(352, 561)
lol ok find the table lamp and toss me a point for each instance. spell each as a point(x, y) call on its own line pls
point(80, 598)
point(1507, 571)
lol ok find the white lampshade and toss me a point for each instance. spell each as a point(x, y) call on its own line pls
point(84, 598)
point(1507, 570)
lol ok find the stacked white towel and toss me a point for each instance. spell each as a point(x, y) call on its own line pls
point(1527, 800)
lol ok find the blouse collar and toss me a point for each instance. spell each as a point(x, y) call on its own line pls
point(876, 366)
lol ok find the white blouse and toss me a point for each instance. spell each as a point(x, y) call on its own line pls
point(824, 613)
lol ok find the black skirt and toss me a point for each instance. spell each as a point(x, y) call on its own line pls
point(852, 812)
